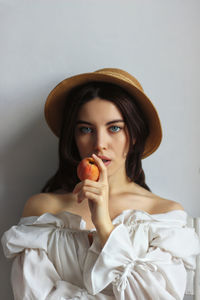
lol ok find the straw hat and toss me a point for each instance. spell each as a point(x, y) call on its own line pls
point(55, 102)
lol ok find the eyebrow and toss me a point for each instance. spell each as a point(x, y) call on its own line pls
point(108, 123)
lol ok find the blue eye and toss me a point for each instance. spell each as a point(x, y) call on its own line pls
point(116, 127)
point(84, 129)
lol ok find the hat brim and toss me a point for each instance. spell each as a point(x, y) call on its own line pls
point(55, 103)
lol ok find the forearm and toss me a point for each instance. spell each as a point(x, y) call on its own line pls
point(104, 232)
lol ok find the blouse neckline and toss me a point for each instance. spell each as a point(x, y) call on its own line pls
point(77, 222)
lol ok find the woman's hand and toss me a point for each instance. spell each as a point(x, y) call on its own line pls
point(97, 194)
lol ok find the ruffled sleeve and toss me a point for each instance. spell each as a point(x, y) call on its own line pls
point(34, 275)
point(145, 257)
point(30, 233)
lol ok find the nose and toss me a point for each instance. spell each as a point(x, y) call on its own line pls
point(100, 141)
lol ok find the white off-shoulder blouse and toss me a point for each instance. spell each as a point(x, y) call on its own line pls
point(145, 257)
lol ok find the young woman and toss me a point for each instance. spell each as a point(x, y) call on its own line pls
point(106, 239)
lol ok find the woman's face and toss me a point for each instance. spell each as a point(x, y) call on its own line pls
point(100, 129)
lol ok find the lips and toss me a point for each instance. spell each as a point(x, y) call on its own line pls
point(105, 159)
point(106, 163)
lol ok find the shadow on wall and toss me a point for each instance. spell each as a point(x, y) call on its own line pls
point(26, 164)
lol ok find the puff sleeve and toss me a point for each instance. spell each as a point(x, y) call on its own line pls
point(145, 257)
point(34, 275)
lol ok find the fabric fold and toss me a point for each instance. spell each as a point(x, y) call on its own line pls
point(103, 261)
point(140, 249)
point(145, 256)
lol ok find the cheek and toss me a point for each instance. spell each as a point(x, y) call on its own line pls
point(79, 143)
point(123, 142)
point(82, 145)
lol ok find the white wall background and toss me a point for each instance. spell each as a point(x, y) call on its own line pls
point(42, 42)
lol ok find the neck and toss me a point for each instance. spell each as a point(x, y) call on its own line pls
point(119, 182)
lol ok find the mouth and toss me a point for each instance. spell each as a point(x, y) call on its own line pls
point(105, 159)
point(106, 162)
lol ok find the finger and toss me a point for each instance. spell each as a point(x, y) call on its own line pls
point(101, 166)
point(94, 198)
point(77, 187)
point(85, 191)
point(86, 182)
point(81, 198)
point(91, 189)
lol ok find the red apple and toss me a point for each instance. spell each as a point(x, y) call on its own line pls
point(87, 169)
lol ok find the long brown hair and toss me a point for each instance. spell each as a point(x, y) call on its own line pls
point(66, 178)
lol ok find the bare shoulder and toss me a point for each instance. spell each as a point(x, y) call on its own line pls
point(38, 204)
point(42, 203)
point(166, 205)
point(156, 204)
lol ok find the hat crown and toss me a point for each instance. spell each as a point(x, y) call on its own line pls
point(121, 74)
point(55, 102)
